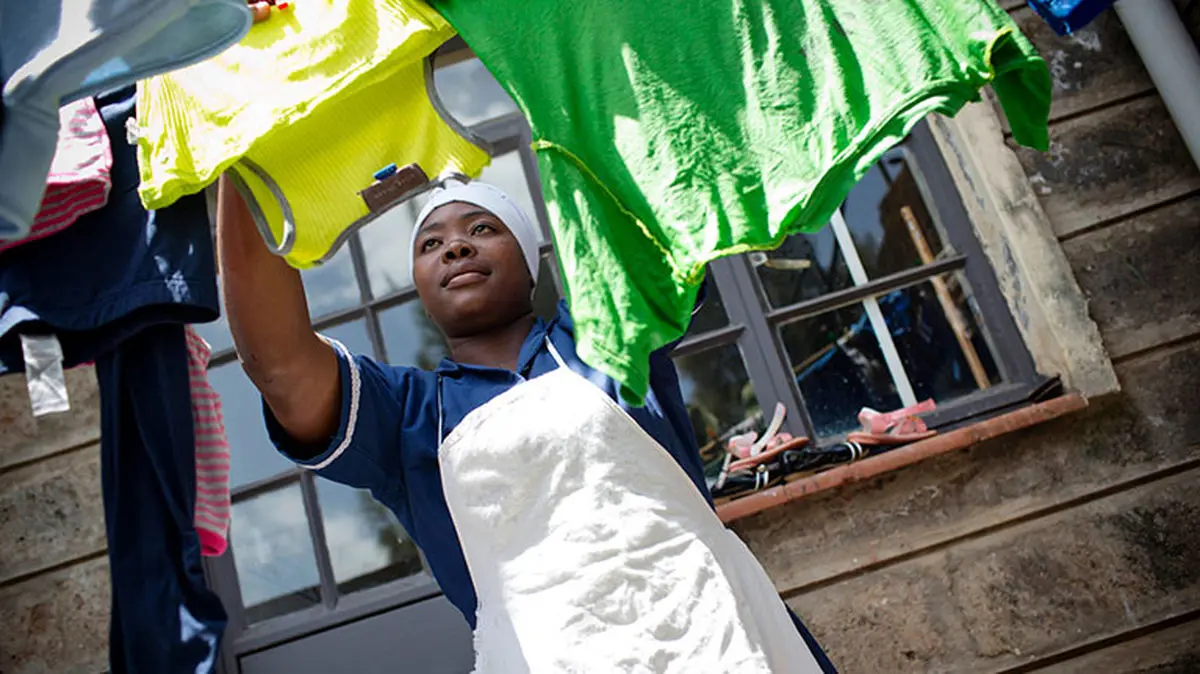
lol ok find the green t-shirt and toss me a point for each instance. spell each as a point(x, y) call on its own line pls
point(673, 132)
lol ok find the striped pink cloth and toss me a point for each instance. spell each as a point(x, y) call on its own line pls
point(79, 178)
point(212, 452)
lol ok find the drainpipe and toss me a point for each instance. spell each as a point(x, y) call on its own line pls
point(1172, 59)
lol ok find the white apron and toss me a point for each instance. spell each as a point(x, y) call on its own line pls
point(592, 551)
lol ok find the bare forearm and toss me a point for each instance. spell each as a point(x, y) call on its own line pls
point(268, 317)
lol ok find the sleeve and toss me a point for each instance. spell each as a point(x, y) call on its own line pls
point(365, 451)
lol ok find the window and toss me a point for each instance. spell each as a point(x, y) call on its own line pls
point(890, 304)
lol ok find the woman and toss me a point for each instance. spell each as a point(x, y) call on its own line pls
point(573, 531)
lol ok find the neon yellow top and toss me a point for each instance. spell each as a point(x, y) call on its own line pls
point(304, 110)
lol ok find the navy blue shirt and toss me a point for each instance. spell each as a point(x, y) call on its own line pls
point(115, 271)
point(387, 439)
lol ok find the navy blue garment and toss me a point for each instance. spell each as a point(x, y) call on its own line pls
point(115, 288)
point(164, 617)
point(113, 272)
point(1068, 16)
point(387, 439)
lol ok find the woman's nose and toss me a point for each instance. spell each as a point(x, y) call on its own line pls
point(457, 250)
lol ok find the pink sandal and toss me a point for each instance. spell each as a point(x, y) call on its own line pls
point(899, 427)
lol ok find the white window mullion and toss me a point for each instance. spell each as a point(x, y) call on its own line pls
point(882, 334)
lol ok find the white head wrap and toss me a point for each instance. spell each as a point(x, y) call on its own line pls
point(492, 199)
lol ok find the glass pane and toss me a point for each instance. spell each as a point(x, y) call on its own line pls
point(719, 399)
point(938, 336)
point(507, 173)
point(469, 92)
point(367, 545)
point(804, 267)
point(353, 336)
point(874, 216)
point(712, 313)
point(385, 244)
point(410, 337)
point(273, 553)
point(216, 333)
point(839, 368)
point(331, 286)
point(252, 454)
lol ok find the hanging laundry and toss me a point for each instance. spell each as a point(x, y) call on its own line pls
point(660, 154)
point(305, 111)
point(164, 618)
point(116, 288)
point(52, 53)
point(79, 174)
point(212, 451)
point(1068, 16)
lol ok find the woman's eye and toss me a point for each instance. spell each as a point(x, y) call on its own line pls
point(481, 227)
point(428, 244)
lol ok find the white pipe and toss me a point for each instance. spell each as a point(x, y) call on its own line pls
point(1172, 59)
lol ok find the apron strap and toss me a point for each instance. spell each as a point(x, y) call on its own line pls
point(554, 352)
point(441, 415)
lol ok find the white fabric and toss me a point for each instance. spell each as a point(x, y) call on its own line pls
point(492, 199)
point(592, 551)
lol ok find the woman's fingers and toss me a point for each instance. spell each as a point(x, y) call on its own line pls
point(261, 11)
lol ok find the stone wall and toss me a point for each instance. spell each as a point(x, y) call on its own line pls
point(53, 570)
point(1073, 545)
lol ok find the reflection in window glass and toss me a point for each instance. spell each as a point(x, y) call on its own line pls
point(353, 336)
point(873, 214)
point(216, 333)
point(805, 267)
point(331, 286)
point(273, 553)
point(385, 245)
point(839, 367)
point(367, 545)
point(941, 345)
point(253, 457)
point(410, 337)
point(469, 92)
point(719, 398)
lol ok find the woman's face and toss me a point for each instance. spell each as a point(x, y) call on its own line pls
point(469, 271)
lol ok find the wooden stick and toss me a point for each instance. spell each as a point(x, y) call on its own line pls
point(953, 315)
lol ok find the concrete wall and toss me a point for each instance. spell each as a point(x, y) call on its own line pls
point(53, 572)
point(1071, 546)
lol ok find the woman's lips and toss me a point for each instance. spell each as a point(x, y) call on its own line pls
point(467, 278)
